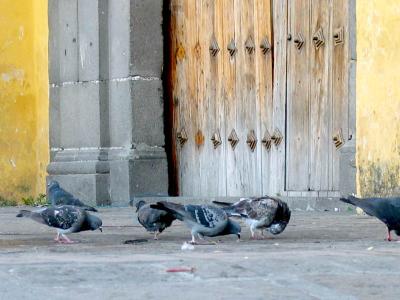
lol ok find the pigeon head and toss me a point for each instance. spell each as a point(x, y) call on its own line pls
point(277, 228)
point(94, 222)
point(52, 184)
point(139, 204)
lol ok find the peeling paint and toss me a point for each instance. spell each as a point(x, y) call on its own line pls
point(23, 98)
point(378, 97)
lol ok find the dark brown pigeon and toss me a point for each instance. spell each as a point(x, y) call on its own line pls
point(260, 213)
point(153, 220)
point(385, 209)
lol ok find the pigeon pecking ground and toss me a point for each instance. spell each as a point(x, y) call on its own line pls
point(320, 255)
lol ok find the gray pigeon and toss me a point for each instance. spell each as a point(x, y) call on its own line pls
point(203, 220)
point(260, 213)
point(385, 209)
point(66, 218)
point(58, 196)
point(153, 220)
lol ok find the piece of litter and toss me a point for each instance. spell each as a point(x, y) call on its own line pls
point(187, 246)
point(181, 270)
point(370, 248)
point(276, 244)
point(246, 257)
point(337, 209)
point(133, 242)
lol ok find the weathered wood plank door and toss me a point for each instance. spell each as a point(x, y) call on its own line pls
point(317, 100)
point(259, 90)
point(222, 95)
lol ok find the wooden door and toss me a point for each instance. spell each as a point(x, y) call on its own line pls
point(258, 91)
point(221, 65)
point(316, 93)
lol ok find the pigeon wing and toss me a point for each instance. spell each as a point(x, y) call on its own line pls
point(154, 219)
point(259, 208)
point(59, 196)
point(63, 217)
point(206, 215)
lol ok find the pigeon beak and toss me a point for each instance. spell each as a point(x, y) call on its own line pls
point(101, 229)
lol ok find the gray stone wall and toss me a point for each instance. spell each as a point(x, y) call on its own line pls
point(106, 99)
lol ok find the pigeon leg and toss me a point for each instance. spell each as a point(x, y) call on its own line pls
point(66, 240)
point(57, 238)
point(193, 241)
point(389, 236)
point(156, 235)
point(253, 234)
point(205, 241)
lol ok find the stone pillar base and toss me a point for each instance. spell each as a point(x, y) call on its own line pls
point(111, 176)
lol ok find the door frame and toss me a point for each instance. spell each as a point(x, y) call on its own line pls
point(277, 186)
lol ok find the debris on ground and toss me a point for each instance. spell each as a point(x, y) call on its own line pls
point(137, 241)
point(181, 270)
point(370, 248)
point(187, 246)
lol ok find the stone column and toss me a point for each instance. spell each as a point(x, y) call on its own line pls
point(106, 99)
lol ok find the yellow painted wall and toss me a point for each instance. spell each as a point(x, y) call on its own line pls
point(378, 97)
point(23, 98)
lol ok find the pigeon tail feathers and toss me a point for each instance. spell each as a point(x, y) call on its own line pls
point(89, 208)
point(24, 213)
point(222, 203)
point(351, 200)
point(229, 209)
point(177, 210)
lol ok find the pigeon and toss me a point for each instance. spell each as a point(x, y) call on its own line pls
point(260, 213)
point(385, 209)
point(153, 220)
point(58, 196)
point(202, 220)
point(66, 218)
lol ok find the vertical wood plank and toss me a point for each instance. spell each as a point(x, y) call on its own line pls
point(264, 87)
point(192, 79)
point(320, 100)
point(340, 61)
point(199, 115)
point(298, 104)
point(180, 95)
point(247, 110)
point(229, 96)
point(212, 161)
point(280, 44)
point(217, 102)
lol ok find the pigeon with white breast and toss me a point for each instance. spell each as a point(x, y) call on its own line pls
point(202, 220)
point(385, 209)
point(153, 220)
point(58, 196)
point(66, 218)
point(260, 213)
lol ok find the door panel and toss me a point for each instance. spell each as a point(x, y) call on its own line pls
point(298, 98)
point(340, 58)
point(317, 94)
point(320, 98)
point(215, 95)
point(264, 87)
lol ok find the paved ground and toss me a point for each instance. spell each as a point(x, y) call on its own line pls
point(321, 255)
